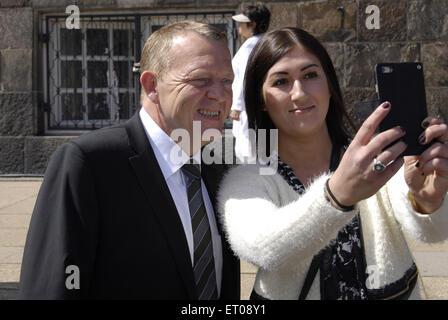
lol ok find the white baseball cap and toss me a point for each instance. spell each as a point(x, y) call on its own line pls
point(241, 18)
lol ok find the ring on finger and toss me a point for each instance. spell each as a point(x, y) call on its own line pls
point(378, 166)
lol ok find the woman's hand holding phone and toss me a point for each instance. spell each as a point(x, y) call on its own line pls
point(427, 174)
point(355, 178)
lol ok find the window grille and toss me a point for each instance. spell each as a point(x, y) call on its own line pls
point(89, 80)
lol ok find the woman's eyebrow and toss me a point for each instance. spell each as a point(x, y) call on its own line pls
point(278, 73)
point(309, 66)
point(285, 73)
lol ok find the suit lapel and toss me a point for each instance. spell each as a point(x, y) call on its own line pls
point(153, 183)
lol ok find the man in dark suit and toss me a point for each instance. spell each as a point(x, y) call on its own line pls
point(114, 216)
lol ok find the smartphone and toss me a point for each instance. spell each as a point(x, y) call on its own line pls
point(402, 84)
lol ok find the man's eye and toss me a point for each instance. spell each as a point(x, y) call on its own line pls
point(199, 82)
point(311, 75)
point(227, 82)
point(280, 82)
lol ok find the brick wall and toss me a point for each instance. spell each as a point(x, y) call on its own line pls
point(410, 30)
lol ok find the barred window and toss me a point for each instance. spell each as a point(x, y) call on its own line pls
point(89, 80)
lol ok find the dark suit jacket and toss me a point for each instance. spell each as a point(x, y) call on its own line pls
point(105, 208)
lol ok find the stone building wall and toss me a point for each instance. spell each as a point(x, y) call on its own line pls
point(410, 30)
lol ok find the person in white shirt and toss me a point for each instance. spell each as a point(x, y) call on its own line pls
point(252, 23)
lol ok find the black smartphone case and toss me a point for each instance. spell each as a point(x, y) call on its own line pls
point(402, 84)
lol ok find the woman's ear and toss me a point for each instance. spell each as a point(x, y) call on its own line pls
point(148, 80)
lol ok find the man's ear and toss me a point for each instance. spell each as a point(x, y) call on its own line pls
point(148, 81)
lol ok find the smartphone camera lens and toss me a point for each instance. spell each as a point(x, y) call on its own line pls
point(386, 69)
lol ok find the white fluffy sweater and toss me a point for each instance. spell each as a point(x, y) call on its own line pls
point(270, 225)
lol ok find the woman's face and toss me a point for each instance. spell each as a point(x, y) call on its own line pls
point(246, 29)
point(296, 93)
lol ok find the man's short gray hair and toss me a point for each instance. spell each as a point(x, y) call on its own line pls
point(155, 55)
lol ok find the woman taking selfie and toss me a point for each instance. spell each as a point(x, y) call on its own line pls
point(328, 224)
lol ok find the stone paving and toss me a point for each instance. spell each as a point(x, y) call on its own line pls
point(18, 195)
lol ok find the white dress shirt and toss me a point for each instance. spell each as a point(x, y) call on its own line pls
point(164, 149)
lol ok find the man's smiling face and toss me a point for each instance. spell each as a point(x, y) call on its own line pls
point(197, 86)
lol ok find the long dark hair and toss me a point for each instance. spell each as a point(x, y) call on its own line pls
point(271, 48)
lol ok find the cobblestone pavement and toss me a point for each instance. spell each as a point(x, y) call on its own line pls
point(18, 195)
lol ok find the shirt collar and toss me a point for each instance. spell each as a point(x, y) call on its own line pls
point(254, 38)
point(169, 154)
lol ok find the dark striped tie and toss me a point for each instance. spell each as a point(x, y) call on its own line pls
point(204, 266)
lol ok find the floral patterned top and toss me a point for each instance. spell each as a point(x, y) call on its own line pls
point(342, 271)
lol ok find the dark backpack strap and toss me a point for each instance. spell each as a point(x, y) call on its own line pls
point(312, 271)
